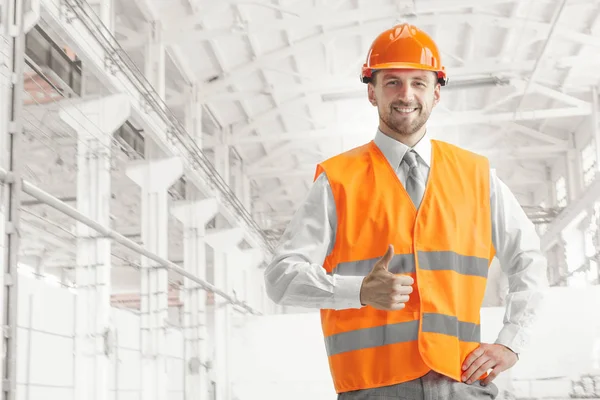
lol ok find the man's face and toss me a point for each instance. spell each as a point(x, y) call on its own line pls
point(404, 99)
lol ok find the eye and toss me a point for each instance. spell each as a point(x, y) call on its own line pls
point(391, 83)
point(422, 84)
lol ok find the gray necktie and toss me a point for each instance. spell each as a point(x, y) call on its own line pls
point(415, 181)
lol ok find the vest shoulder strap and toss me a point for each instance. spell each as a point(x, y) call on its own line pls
point(335, 166)
point(460, 154)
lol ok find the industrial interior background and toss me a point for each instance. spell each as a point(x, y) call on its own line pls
point(153, 152)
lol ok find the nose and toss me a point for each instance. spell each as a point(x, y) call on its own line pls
point(405, 93)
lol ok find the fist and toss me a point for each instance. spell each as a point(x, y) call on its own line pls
point(384, 290)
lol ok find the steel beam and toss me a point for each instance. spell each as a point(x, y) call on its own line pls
point(551, 32)
point(456, 119)
point(535, 134)
point(427, 13)
point(572, 211)
point(12, 52)
point(53, 202)
point(459, 118)
point(308, 170)
point(102, 56)
point(369, 27)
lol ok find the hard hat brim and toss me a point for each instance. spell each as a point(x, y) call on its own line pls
point(404, 65)
point(368, 70)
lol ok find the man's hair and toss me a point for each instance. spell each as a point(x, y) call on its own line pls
point(374, 77)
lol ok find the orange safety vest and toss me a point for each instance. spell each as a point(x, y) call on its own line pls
point(446, 246)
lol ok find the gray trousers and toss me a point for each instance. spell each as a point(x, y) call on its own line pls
point(432, 386)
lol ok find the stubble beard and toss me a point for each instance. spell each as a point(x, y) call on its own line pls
point(401, 125)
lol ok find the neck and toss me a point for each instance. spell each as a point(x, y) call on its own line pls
point(409, 140)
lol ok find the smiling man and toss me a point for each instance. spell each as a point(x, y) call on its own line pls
point(394, 242)
point(404, 101)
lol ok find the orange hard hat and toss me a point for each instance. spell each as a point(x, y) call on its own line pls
point(404, 46)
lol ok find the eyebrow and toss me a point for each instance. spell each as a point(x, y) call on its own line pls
point(419, 77)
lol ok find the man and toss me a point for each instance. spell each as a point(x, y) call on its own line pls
point(405, 325)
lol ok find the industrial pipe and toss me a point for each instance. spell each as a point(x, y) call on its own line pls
point(55, 203)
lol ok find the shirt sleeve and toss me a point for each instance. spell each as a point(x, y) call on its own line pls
point(518, 249)
point(295, 276)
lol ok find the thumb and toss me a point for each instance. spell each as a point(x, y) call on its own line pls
point(385, 260)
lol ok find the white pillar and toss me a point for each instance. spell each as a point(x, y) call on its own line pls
point(155, 58)
point(193, 114)
point(35, 260)
point(574, 173)
point(220, 241)
point(105, 10)
point(596, 237)
point(154, 176)
point(595, 125)
point(238, 182)
point(572, 176)
point(94, 122)
point(250, 260)
point(194, 213)
point(574, 246)
point(561, 259)
point(222, 162)
point(247, 193)
point(223, 241)
point(12, 53)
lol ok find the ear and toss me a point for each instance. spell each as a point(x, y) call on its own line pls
point(371, 92)
point(436, 94)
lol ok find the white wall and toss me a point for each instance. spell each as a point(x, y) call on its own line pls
point(45, 347)
point(582, 134)
point(566, 343)
point(280, 357)
point(44, 341)
point(283, 356)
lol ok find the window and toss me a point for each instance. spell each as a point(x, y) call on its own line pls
point(560, 186)
point(542, 228)
point(589, 162)
point(576, 261)
point(591, 244)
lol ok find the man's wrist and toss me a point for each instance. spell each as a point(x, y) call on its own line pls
point(360, 295)
point(512, 337)
point(347, 291)
point(505, 346)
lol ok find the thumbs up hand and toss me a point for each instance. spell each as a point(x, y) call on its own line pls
point(384, 290)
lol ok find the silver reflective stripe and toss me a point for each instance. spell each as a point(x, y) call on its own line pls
point(400, 264)
point(401, 332)
point(372, 337)
point(448, 260)
point(447, 325)
point(428, 260)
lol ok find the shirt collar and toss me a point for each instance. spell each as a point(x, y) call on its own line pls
point(394, 150)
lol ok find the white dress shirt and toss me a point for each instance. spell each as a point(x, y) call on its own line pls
point(296, 276)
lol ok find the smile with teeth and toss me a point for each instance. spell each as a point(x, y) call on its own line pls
point(404, 110)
